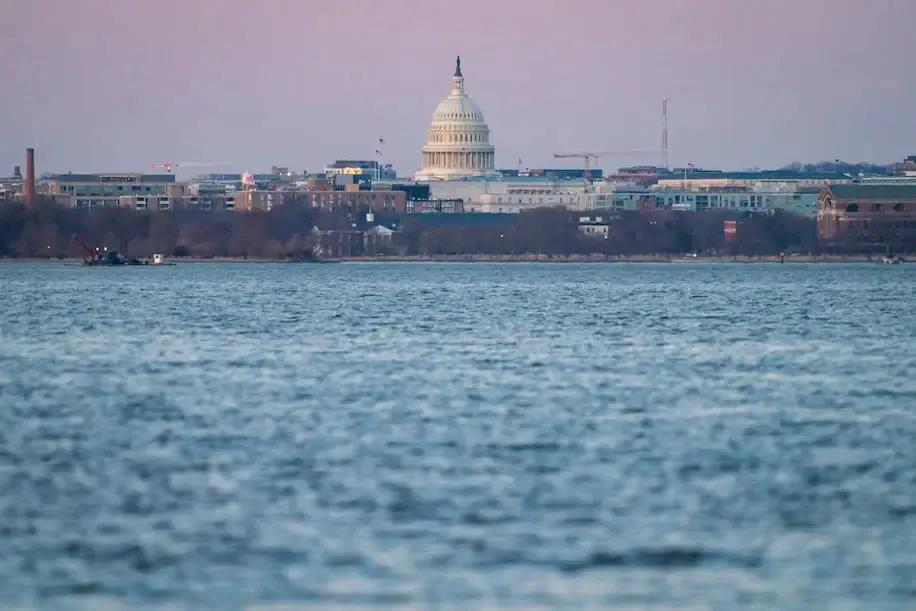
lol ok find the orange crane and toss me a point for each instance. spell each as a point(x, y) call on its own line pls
point(588, 156)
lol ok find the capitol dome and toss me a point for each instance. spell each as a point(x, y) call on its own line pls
point(458, 139)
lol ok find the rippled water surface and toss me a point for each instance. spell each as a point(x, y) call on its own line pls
point(451, 435)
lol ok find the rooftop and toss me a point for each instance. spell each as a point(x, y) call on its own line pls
point(860, 191)
point(761, 175)
point(113, 177)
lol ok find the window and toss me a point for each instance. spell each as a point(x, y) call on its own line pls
point(852, 208)
point(898, 207)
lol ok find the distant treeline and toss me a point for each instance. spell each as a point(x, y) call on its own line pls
point(47, 230)
point(838, 166)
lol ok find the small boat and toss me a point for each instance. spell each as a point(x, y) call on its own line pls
point(891, 260)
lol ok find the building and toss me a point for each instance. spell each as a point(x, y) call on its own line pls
point(509, 194)
point(867, 213)
point(7, 193)
point(356, 200)
point(376, 201)
point(717, 179)
point(614, 196)
point(370, 170)
point(593, 174)
point(434, 206)
point(887, 180)
point(11, 186)
point(95, 190)
point(378, 240)
point(256, 199)
point(640, 175)
point(458, 139)
point(907, 167)
point(766, 198)
point(222, 183)
point(514, 194)
point(594, 227)
point(146, 202)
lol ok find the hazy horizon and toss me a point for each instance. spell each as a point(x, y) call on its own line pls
point(100, 85)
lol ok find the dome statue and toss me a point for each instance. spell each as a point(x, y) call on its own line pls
point(458, 139)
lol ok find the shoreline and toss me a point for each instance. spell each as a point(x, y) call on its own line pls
point(740, 259)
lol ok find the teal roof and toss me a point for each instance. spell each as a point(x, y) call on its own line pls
point(761, 175)
point(860, 191)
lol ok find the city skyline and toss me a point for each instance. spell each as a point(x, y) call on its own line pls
point(103, 86)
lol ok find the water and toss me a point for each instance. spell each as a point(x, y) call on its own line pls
point(691, 436)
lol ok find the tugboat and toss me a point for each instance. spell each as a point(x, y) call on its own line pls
point(890, 258)
point(106, 257)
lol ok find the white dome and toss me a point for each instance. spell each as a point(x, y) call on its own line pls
point(460, 108)
point(458, 139)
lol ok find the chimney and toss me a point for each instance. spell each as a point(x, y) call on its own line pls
point(29, 187)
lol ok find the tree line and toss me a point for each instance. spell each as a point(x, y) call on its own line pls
point(47, 230)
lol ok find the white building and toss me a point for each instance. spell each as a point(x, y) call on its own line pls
point(510, 194)
point(618, 196)
point(765, 197)
point(458, 139)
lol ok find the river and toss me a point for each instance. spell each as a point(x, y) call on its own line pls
point(458, 435)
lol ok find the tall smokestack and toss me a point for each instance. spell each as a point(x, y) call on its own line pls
point(29, 187)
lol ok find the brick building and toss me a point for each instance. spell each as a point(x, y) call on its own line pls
point(867, 213)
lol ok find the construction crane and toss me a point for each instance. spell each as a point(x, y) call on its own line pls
point(170, 166)
point(91, 254)
point(588, 156)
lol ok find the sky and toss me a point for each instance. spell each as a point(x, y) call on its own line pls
point(114, 85)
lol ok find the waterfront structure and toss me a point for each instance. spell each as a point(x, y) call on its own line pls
point(458, 139)
point(594, 227)
point(867, 213)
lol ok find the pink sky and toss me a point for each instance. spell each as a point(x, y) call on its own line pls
point(106, 85)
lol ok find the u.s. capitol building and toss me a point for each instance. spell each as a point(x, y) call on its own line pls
point(458, 162)
point(458, 139)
